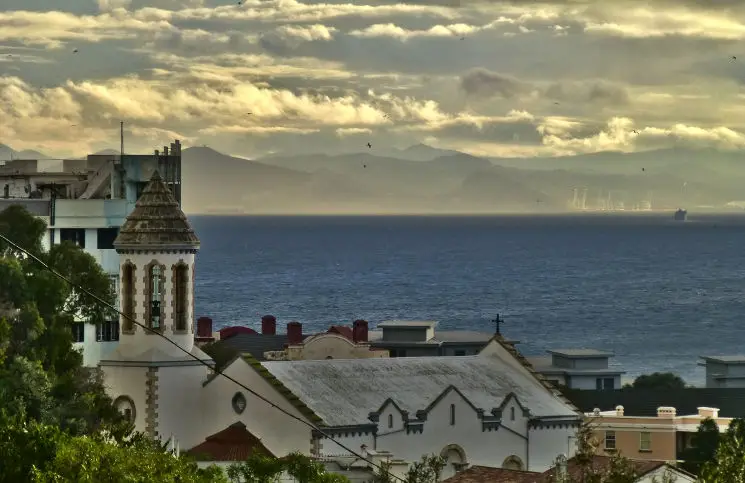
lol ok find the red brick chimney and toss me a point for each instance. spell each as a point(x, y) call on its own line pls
point(268, 325)
point(204, 332)
point(294, 332)
point(204, 327)
point(359, 331)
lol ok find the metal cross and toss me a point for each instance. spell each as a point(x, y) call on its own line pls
point(498, 321)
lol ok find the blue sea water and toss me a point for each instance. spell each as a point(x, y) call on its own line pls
point(658, 293)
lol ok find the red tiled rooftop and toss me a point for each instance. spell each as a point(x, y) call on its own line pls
point(234, 443)
point(342, 330)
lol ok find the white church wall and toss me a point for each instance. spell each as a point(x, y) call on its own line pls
point(354, 440)
point(547, 443)
point(180, 405)
point(130, 382)
point(278, 432)
point(486, 448)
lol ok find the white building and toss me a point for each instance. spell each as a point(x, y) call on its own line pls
point(486, 409)
point(579, 369)
point(85, 201)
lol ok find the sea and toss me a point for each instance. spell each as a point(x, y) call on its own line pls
point(657, 293)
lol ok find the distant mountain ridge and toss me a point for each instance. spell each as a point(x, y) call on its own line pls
point(424, 179)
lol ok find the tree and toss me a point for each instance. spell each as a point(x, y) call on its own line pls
point(427, 470)
point(659, 380)
point(40, 453)
point(41, 375)
point(703, 448)
point(260, 468)
point(728, 465)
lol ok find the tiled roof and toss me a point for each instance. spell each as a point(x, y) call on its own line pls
point(485, 474)
point(346, 392)
point(644, 402)
point(235, 443)
point(254, 344)
point(342, 330)
point(157, 222)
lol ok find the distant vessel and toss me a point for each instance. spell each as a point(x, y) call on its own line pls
point(680, 215)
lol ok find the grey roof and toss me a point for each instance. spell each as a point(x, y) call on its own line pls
point(402, 324)
point(725, 359)
point(580, 353)
point(344, 393)
point(254, 344)
point(441, 337)
point(157, 222)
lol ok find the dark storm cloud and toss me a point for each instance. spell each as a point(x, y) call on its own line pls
point(484, 83)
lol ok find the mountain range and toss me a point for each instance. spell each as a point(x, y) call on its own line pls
point(424, 179)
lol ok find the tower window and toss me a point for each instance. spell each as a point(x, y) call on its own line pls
point(127, 296)
point(452, 415)
point(155, 309)
point(181, 296)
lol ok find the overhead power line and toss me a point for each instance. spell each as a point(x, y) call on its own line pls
point(109, 306)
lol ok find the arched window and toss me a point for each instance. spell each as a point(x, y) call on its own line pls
point(181, 296)
point(126, 407)
point(390, 421)
point(155, 296)
point(127, 296)
point(452, 415)
point(513, 463)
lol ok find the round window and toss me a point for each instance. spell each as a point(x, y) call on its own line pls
point(239, 402)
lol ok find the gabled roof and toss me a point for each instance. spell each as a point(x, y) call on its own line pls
point(345, 393)
point(485, 474)
point(157, 222)
point(234, 443)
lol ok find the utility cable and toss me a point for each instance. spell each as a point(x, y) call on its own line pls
point(201, 361)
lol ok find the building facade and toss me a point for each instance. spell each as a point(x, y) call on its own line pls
point(579, 369)
point(662, 437)
point(85, 201)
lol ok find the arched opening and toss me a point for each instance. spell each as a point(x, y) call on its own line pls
point(513, 463)
point(126, 406)
point(6, 191)
point(155, 296)
point(181, 296)
point(127, 296)
point(455, 460)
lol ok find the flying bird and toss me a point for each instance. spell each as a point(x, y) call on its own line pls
point(635, 131)
point(369, 145)
point(643, 169)
point(734, 57)
point(557, 103)
point(364, 166)
point(75, 51)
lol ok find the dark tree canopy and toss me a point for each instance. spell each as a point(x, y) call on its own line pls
point(659, 380)
point(704, 447)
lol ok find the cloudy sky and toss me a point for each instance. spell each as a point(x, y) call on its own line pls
point(519, 78)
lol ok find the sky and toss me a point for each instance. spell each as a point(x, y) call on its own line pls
point(517, 78)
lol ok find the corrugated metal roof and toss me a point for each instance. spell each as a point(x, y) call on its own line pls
point(345, 392)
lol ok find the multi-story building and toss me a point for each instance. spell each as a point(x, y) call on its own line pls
point(578, 369)
point(85, 201)
point(663, 437)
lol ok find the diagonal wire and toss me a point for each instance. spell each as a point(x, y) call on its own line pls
point(201, 361)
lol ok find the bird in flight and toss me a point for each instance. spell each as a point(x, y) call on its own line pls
point(75, 51)
point(734, 57)
point(635, 131)
point(364, 166)
point(369, 145)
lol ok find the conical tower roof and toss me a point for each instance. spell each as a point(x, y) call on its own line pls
point(157, 222)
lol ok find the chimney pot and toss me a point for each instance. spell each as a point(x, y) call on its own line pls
point(268, 325)
point(157, 153)
point(165, 150)
point(204, 327)
point(360, 331)
point(294, 333)
point(705, 412)
point(619, 410)
point(665, 412)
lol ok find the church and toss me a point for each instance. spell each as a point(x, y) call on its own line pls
point(489, 409)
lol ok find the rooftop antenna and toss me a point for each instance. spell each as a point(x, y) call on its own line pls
point(121, 140)
point(497, 323)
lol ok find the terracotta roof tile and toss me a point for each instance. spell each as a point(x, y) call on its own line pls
point(157, 222)
point(485, 474)
point(342, 330)
point(235, 443)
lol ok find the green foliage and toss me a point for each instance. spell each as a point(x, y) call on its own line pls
point(427, 470)
point(703, 447)
point(728, 465)
point(22, 228)
point(266, 469)
point(659, 380)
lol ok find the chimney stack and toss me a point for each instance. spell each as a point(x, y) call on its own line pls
point(178, 147)
point(619, 410)
point(204, 327)
point(165, 150)
point(359, 331)
point(157, 153)
point(665, 412)
point(294, 333)
point(268, 325)
point(705, 412)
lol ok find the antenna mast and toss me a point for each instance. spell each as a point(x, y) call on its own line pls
point(121, 139)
